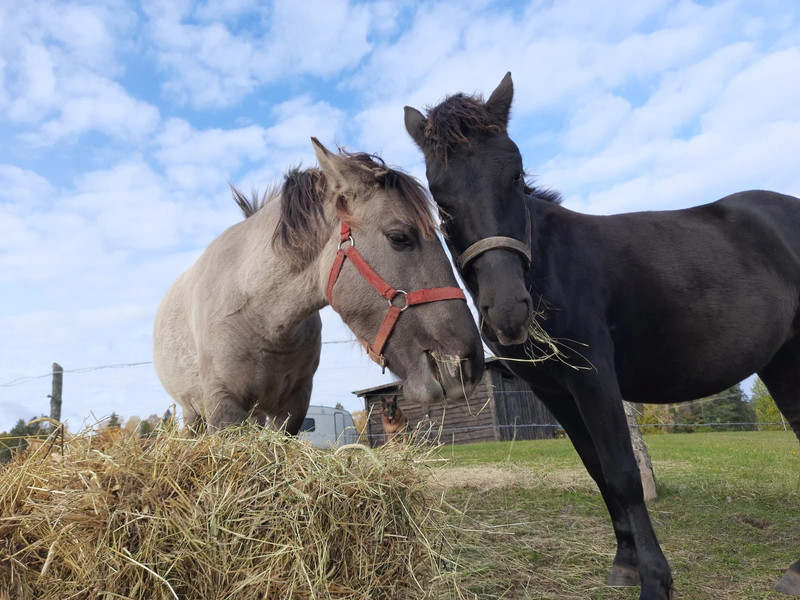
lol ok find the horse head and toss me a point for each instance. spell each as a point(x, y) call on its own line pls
point(475, 174)
point(392, 282)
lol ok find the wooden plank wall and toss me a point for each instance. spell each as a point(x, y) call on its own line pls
point(516, 405)
point(455, 422)
point(499, 404)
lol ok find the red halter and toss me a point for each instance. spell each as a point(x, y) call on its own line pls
point(375, 350)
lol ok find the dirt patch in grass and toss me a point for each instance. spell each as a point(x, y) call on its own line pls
point(488, 477)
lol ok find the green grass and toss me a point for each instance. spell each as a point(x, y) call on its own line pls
point(530, 523)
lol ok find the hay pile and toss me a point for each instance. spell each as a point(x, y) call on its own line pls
point(240, 515)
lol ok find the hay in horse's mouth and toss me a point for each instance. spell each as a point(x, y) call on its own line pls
point(540, 347)
point(434, 360)
point(457, 373)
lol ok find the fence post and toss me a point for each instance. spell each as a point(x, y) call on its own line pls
point(641, 453)
point(55, 397)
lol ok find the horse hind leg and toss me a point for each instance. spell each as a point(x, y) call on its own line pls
point(790, 582)
point(782, 378)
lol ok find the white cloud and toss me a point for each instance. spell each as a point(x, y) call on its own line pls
point(37, 84)
point(59, 80)
point(221, 10)
point(594, 122)
point(205, 159)
point(23, 191)
point(89, 103)
point(210, 65)
point(129, 206)
point(300, 118)
point(761, 92)
point(307, 38)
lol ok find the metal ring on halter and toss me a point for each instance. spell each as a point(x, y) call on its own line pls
point(405, 295)
point(349, 239)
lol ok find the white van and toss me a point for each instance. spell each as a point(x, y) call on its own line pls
point(326, 427)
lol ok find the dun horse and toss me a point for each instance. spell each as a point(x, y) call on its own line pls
point(656, 307)
point(238, 335)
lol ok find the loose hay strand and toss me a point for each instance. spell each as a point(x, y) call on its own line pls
point(246, 514)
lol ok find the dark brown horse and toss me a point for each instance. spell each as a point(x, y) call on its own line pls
point(238, 335)
point(656, 307)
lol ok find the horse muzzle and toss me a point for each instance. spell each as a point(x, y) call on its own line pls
point(507, 319)
point(439, 378)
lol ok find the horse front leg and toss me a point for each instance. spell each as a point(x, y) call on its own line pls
point(624, 571)
point(294, 406)
point(600, 406)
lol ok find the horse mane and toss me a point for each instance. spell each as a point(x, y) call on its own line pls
point(302, 213)
point(415, 206)
point(302, 228)
point(546, 194)
point(250, 206)
point(450, 122)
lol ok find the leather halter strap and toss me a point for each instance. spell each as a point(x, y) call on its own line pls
point(499, 242)
point(422, 296)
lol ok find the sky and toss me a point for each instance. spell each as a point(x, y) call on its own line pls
point(121, 124)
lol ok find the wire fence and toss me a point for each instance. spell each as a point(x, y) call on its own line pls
point(498, 431)
point(518, 430)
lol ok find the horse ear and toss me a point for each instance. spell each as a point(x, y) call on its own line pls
point(331, 164)
point(415, 125)
point(499, 103)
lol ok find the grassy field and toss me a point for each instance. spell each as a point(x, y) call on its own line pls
point(531, 524)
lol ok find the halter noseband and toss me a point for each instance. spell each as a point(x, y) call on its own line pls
point(499, 241)
point(375, 350)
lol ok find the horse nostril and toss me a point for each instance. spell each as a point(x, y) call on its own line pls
point(528, 304)
point(484, 307)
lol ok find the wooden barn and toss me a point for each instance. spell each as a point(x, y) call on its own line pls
point(502, 407)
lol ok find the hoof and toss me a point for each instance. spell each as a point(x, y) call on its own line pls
point(789, 584)
point(622, 576)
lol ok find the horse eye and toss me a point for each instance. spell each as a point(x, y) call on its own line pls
point(398, 238)
point(518, 177)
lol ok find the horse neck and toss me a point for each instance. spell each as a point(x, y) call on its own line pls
point(545, 217)
point(559, 236)
point(293, 292)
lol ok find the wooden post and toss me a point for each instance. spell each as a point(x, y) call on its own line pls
point(55, 397)
point(642, 455)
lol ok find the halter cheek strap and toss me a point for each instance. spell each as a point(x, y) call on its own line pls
point(422, 296)
point(499, 241)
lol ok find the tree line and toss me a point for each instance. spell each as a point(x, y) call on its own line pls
point(16, 438)
point(730, 410)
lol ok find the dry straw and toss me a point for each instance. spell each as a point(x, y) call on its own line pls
point(243, 514)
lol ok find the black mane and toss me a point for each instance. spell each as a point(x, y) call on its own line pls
point(451, 122)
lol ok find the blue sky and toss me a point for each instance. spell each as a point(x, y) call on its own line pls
point(122, 122)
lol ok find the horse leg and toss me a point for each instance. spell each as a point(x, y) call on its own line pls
point(600, 404)
point(624, 571)
point(782, 378)
point(192, 421)
point(223, 407)
point(294, 407)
